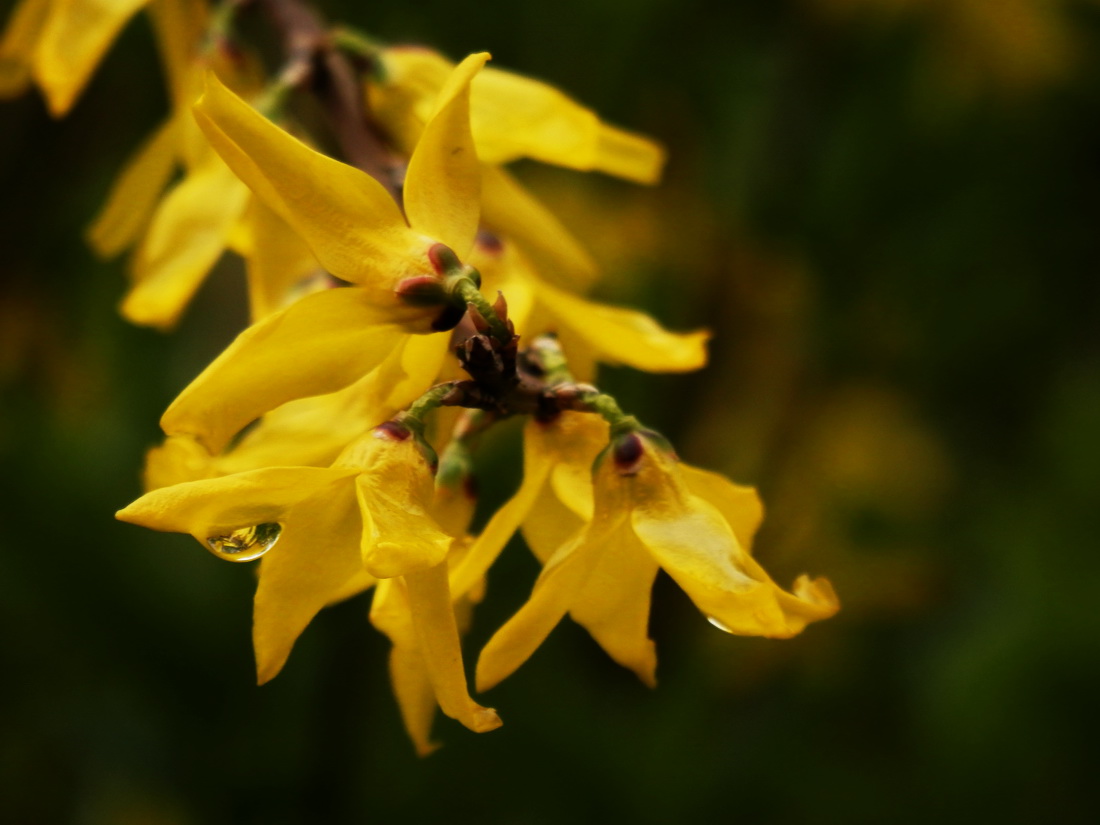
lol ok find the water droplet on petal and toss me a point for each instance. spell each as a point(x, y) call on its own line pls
point(719, 624)
point(246, 544)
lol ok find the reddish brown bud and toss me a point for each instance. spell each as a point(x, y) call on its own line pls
point(443, 259)
point(392, 431)
point(422, 291)
point(627, 453)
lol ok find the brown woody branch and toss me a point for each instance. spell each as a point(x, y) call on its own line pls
point(312, 57)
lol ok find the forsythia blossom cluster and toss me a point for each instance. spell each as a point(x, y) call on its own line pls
point(335, 437)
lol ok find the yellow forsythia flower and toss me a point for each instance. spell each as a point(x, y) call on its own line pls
point(649, 512)
point(331, 532)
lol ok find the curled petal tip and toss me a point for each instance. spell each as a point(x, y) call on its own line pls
point(485, 720)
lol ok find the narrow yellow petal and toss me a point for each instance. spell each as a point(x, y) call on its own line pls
point(555, 592)
point(276, 262)
point(434, 619)
point(180, 458)
point(512, 117)
point(548, 525)
point(412, 685)
point(135, 192)
point(311, 565)
point(18, 44)
point(625, 336)
point(345, 216)
point(319, 344)
point(537, 462)
point(507, 208)
point(311, 431)
point(739, 505)
point(515, 116)
point(74, 39)
point(443, 183)
point(180, 26)
point(187, 235)
point(399, 536)
point(396, 491)
point(613, 605)
point(691, 540)
point(628, 155)
point(216, 506)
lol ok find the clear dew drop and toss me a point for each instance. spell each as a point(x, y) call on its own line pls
point(723, 627)
point(246, 544)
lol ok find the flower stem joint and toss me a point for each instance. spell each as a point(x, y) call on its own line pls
point(447, 289)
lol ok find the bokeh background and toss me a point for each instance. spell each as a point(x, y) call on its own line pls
point(886, 210)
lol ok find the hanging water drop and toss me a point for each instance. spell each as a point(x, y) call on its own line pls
point(246, 544)
point(719, 624)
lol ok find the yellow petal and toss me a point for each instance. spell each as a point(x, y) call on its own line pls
point(180, 26)
point(512, 116)
point(399, 536)
point(134, 195)
point(443, 184)
point(548, 525)
point(180, 458)
point(515, 116)
point(276, 262)
point(319, 344)
point(314, 431)
point(308, 568)
point(537, 462)
point(507, 208)
point(576, 439)
point(420, 363)
point(412, 685)
point(188, 234)
point(625, 336)
point(396, 491)
point(74, 39)
point(613, 604)
point(555, 591)
point(628, 155)
point(345, 216)
point(216, 506)
point(18, 44)
point(739, 505)
point(695, 545)
point(434, 619)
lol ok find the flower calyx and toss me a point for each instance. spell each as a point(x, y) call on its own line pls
point(449, 288)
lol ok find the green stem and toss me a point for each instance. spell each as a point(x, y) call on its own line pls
point(552, 359)
point(469, 292)
point(358, 43)
point(608, 408)
point(413, 417)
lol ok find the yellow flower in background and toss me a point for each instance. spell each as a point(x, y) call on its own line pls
point(58, 44)
point(325, 534)
point(511, 117)
point(649, 512)
point(590, 332)
point(180, 230)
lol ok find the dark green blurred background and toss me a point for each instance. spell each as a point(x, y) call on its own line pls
point(888, 214)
